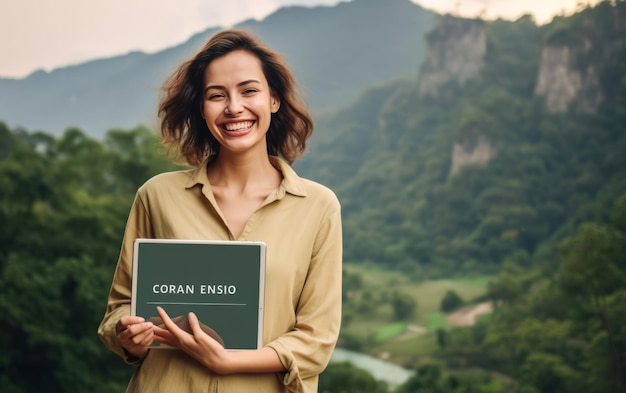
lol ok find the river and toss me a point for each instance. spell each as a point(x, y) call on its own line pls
point(392, 374)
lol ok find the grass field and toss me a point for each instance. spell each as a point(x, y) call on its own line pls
point(436, 321)
point(390, 331)
point(428, 294)
point(376, 325)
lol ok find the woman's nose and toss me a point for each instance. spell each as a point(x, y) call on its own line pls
point(234, 106)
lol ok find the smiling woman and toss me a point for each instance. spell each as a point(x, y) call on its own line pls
point(208, 83)
point(233, 114)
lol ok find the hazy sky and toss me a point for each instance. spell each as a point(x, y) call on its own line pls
point(46, 34)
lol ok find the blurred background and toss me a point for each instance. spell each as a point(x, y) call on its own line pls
point(477, 147)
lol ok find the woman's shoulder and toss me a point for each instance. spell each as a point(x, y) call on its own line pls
point(319, 192)
point(301, 186)
point(167, 180)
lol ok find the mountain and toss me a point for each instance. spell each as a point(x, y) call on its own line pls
point(334, 53)
point(509, 137)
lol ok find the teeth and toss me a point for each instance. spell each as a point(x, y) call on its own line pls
point(238, 126)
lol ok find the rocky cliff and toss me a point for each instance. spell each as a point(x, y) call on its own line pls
point(561, 83)
point(473, 150)
point(583, 59)
point(457, 49)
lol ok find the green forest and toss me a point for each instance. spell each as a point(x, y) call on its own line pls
point(535, 233)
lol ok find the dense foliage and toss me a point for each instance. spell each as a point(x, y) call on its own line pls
point(558, 329)
point(63, 205)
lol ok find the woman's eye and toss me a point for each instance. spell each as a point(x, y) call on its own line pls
point(249, 91)
point(213, 97)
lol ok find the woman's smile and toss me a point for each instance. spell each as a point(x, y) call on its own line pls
point(237, 128)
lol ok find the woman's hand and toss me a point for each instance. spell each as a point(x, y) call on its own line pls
point(135, 335)
point(198, 344)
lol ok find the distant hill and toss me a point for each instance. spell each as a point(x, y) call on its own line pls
point(334, 51)
point(511, 135)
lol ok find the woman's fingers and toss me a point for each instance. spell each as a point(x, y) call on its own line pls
point(127, 321)
point(163, 336)
point(195, 325)
point(167, 321)
point(147, 340)
point(135, 335)
point(172, 335)
point(141, 335)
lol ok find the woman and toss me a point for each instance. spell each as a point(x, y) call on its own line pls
point(232, 113)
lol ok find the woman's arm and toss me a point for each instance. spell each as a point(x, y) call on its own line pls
point(118, 304)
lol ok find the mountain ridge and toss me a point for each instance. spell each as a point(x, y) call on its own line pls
point(333, 51)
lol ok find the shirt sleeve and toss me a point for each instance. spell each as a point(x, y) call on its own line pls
point(306, 350)
point(118, 305)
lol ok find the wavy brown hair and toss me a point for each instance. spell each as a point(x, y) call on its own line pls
point(180, 108)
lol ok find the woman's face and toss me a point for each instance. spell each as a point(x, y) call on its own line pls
point(238, 102)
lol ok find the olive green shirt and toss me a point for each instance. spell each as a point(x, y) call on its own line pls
point(301, 224)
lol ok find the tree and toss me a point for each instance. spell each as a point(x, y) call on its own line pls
point(344, 377)
point(548, 373)
point(451, 301)
point(427, 379)
point(403, 305)
point(442, 340)
point(593, 269)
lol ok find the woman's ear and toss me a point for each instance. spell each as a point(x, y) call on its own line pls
point(275, 103)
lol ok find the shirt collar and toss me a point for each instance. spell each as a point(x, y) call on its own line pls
point(292, 183)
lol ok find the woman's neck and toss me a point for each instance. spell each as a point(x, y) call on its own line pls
point(243, 172)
